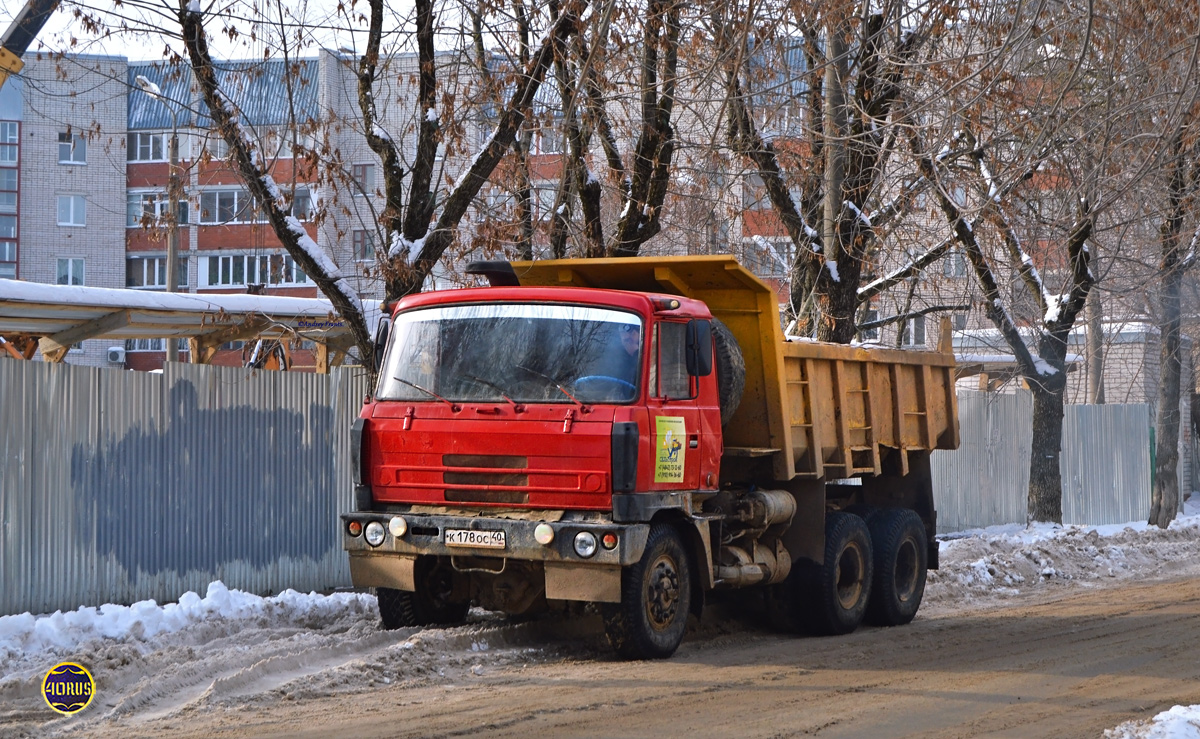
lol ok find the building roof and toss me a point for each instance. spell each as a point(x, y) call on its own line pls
point(259, 89)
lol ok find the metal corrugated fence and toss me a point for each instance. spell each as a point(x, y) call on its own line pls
point(121, 486)
point(984, 482)
point(1105, 463)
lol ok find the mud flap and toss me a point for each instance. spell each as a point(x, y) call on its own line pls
point(389, 571)
point(568, 581)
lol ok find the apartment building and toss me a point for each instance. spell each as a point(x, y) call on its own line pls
point(85, 170)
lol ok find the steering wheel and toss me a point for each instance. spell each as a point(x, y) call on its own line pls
point(583, 382)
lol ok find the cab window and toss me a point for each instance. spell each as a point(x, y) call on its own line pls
point(672, 375)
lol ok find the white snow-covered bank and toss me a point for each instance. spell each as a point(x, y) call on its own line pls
point(150, 624)
point(1180, 722)
point(1002, 561)
point(996, 562)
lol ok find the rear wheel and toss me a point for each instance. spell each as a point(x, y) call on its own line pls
point(656, 596)
point(899, 542)
point(433, 604)
point(841, 586)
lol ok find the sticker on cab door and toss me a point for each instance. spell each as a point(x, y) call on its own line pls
point(669, 433)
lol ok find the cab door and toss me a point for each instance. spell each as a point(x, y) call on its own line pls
point(682, 436)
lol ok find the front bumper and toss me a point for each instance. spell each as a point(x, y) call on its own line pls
point(425, 536)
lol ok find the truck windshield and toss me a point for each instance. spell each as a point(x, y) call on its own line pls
point(524, 353)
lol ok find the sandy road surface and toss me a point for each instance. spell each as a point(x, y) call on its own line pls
point(1071, 663)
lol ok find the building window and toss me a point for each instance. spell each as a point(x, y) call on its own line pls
point(9, 139)
point(72, 210)
point(216, 147)
point(955, 264)
point(8, 190)
point(548, 141)
point(243, 269)
point(364, 245)
point(870, 315)
point(8, 259)
point(72, 149)
point(228, 206)
point(914, 334)
point(959, 321)
point(145, 147)
point(754, 194)
point(152, 345)
point(152, 272)
point(150, 209)
point(302, 204)
point(364, 179)
point(70, 271)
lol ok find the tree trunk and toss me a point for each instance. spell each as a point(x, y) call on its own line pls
point(1045, 477)
point(837, 304)
point(1164, 504)
point(1095, 348)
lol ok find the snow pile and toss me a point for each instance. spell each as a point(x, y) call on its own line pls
point(146, 621)
point(1003, 561)
point(1181, 722)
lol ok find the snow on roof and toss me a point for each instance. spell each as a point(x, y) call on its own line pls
point(39, 309)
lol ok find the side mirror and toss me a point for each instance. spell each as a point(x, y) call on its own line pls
point(382, 331)
point(699, 350)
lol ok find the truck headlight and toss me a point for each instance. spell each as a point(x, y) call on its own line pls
point(585, 544)
point(374, 533)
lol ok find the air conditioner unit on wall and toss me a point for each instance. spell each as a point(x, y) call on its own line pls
point(116, 354)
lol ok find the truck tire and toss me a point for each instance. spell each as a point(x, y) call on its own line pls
point(899, 542)
point(430, 605)
point(841, 587)
point(656, 597)
point(731, 370)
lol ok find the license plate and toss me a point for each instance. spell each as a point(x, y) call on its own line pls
point(477, 539)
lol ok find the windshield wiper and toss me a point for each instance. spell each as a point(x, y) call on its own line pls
point(517, 407)
point(453, 406)
point(582, 408)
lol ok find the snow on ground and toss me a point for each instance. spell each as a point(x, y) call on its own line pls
point(230, 648)
point(1181, 722)
point(1002, 561)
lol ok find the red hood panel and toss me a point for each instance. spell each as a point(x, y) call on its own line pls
point(544, 457)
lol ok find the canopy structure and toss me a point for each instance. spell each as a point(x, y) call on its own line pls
point(51, 318)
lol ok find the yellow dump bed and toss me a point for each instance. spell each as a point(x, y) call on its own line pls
point(810, 409)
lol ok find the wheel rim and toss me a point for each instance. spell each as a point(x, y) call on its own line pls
point(662, 592)
point(850, 571)
point(906, 575)
point(439, 587)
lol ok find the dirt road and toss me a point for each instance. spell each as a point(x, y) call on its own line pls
point(1071, 664)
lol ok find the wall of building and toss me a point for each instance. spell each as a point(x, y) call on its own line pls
point(81, 95)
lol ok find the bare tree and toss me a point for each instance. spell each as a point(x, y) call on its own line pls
point(418, 221)
point(1035, 166)
point(856, 61)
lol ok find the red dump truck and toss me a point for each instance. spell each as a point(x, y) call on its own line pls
point(636, 433)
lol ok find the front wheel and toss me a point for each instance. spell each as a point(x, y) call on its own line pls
point(656, 596)
point(433, 604)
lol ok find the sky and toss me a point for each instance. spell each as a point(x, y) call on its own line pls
point(325, 27)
